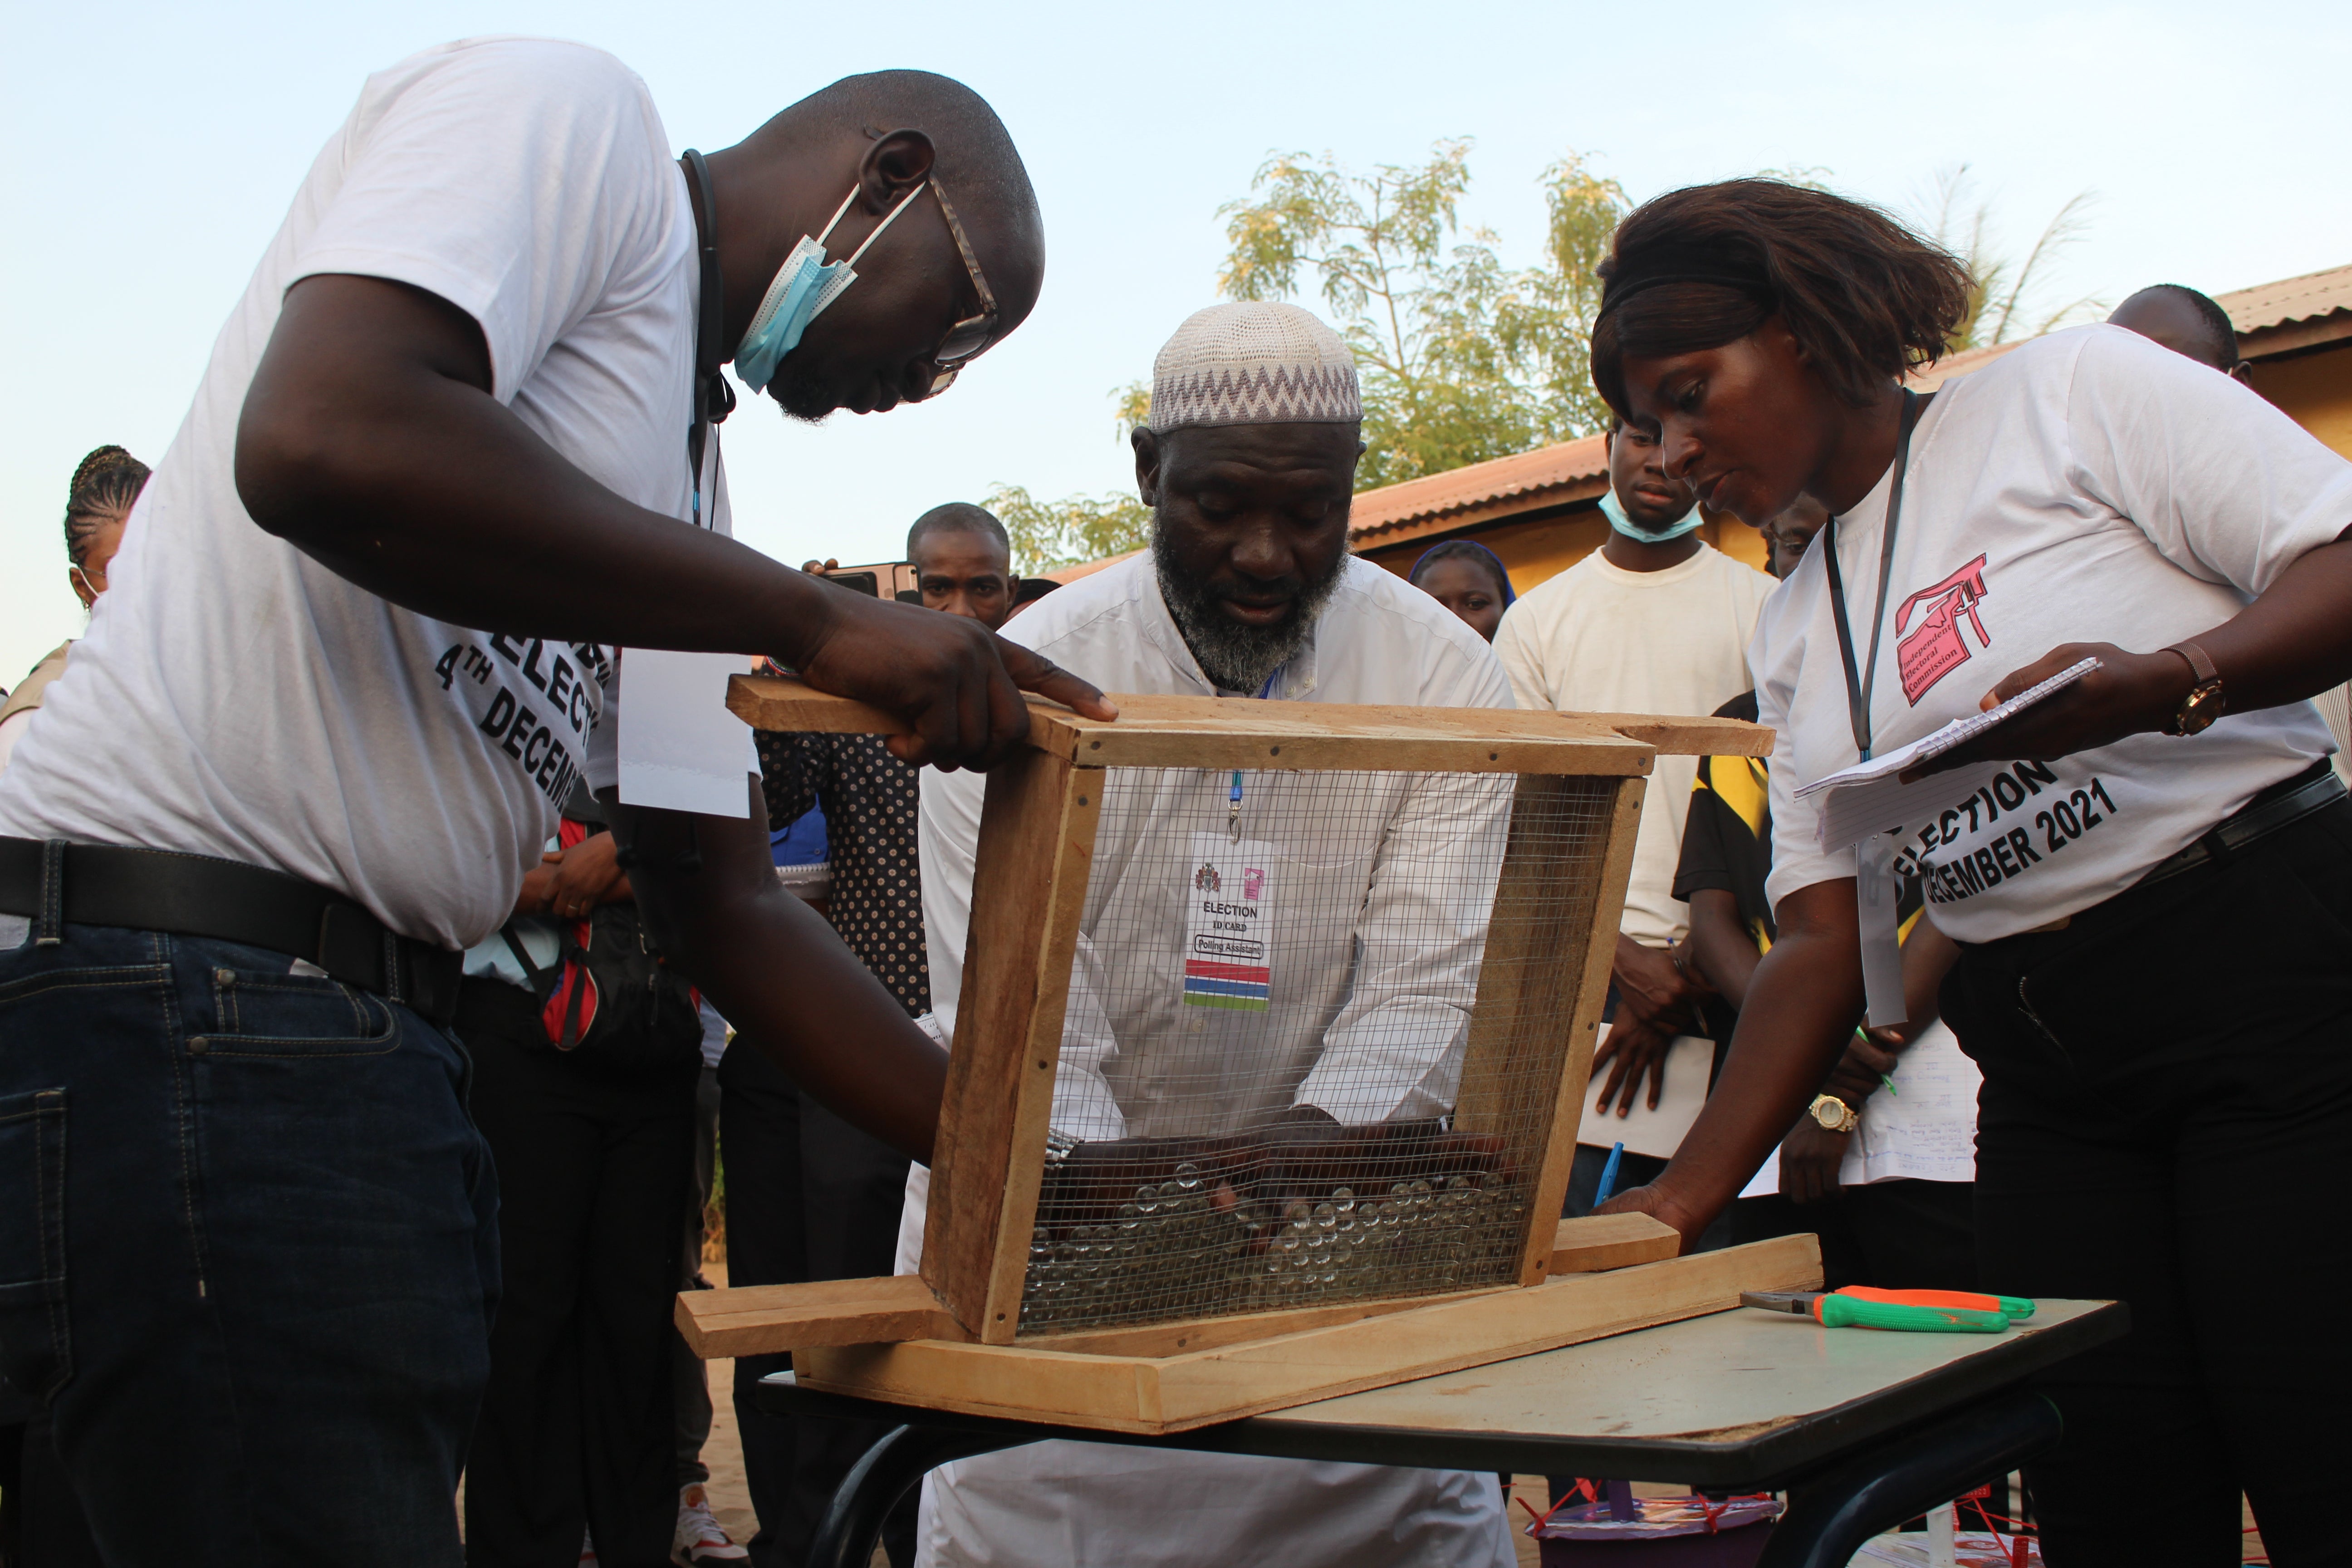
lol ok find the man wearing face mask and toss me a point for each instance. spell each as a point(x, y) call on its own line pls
point(1655, 621)
point(452, 447)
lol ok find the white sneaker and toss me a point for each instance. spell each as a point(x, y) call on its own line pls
point(699, 1538)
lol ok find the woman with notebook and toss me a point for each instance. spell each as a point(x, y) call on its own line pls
point(2149, 872)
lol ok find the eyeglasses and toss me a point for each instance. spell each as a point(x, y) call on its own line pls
point(968, 337)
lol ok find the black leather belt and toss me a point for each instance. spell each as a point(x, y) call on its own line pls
point(56, 884)
point(2289, 801)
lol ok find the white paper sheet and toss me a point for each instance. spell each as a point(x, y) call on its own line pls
point(679, 748)
point(1926, 1130)
point(1646, 1131)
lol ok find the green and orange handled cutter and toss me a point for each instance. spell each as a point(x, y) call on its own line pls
point(1916, 1312)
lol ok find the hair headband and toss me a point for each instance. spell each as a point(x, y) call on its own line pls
point(1680, 266)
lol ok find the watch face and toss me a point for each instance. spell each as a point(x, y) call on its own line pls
point(2201, 708)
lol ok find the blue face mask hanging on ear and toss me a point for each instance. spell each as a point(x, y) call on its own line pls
point(1614, 510)
point(804, 285)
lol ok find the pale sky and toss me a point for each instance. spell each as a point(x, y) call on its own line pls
point(155, 149)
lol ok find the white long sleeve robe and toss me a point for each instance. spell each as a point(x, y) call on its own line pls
point(1379, 889)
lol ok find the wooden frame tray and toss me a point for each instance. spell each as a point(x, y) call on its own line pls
point(1543, 976)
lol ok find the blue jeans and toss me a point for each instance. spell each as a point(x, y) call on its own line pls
point(248, 1252)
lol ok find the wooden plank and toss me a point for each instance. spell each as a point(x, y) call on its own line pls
point(755, 1319)
point(1595, 948)
point(1154, 730)
point(1212, 733)
point(1598, 1241)
point(1676, 735)
point(1206, 1333)
point(1522, 1024)
point(1176, 1393)
point(1036, 842)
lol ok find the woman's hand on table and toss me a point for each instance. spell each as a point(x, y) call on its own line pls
point(1658, 1202)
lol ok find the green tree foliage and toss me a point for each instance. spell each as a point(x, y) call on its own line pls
point(1046, 534)
point(2006, 301)
point(1462, 359)
point(1050, 533)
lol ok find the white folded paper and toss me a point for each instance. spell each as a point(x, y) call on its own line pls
point(679, 748)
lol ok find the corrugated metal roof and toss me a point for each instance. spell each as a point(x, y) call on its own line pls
point(1564, 472)
point(2303, 298)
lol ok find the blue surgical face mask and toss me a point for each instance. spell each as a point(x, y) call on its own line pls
point(804, 285)
point(1614, 510)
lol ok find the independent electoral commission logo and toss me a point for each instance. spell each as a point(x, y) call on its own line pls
point(1938, 646)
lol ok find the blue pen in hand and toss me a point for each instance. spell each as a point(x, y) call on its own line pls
point(1608, 1176)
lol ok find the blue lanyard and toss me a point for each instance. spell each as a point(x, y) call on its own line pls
point(1234, 800)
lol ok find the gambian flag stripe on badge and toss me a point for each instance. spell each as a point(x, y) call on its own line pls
point(1245, 987)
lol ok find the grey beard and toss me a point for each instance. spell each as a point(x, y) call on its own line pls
point(1235, 657)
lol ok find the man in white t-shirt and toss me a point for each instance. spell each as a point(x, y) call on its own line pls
point(354, 650)
point(1655, 621)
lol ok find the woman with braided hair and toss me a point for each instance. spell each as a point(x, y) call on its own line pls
point(98, 503)
point(2149, 873)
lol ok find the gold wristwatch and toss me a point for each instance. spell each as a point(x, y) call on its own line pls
point(2203, 704)
point(1833, 1113)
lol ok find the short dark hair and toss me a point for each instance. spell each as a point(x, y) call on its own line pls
point(1032, 589)
point(1468, 549)
point(103, 488)
point(1699, 268)
point(2217, 321)
point(958, 517)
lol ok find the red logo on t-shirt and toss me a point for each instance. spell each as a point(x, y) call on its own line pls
point(1937, 647)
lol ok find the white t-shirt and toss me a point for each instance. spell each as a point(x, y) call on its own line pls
point(234, 698)
point(2088, 487)
point(1599, 639)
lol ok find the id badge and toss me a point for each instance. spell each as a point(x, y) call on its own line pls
point(1227, 947)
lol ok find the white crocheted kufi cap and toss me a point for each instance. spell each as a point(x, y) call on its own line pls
point(1254, 365)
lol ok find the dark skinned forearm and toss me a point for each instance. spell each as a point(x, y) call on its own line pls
point(1720, 948)
point(388, 477)
point(1801, 1008)
point(778, 973)
point(369, 441)
point(2292, 642)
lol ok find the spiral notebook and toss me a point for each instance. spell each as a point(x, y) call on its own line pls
point(1870, 797)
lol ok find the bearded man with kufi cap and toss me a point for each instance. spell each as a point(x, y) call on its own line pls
point(1375, 894)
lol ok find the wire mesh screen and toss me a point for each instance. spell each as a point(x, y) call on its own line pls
point(1314, 1040)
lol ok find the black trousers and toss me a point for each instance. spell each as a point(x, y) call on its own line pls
point(808, 1197)
point(691, 1377)
point(1897, 1235)
point(2166, 1119)
point(578, 1424)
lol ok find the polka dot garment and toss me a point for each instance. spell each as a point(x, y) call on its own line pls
point(869, 799)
